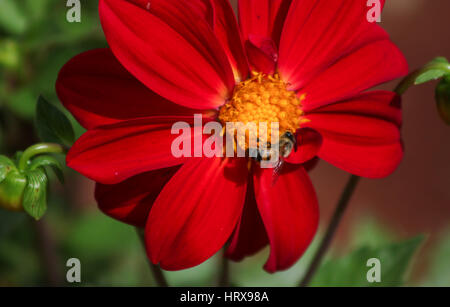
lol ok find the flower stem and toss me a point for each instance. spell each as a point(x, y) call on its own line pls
point(158, 274)
point(47, 249)
point(224, 277)
point(38, 149)
point(410, 79)
point(332, 227)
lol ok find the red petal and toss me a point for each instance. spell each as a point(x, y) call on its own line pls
point(311, 164)
point(220, 16)
point(130, 201)
point(263, 17)
point(227, 32)
point(290, 213)
point(113, 153)
point(369, 66)
point(97, 90)
point(318, 33)
point(381, 104)
point(170, 48)
point(308, 145)
point(361, 135)
point(250, 236)
point(196, 212)
point(262, 54)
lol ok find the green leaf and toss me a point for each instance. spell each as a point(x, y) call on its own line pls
point(35, 194)
point(352, 270)
point(12, 19)
point(52, 124)
point(43, 161)
point(443, 100)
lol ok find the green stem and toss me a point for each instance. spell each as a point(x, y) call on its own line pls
point(224, 275)
point(410, 79)
point(37, 149)
point(332, 227)
point(51, 262)
point(156, 270)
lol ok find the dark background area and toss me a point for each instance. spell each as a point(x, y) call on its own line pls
point(416, 198)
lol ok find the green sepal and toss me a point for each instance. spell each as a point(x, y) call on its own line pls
point(443, 99)
point(437, 68)
point(17, 157)
point(35, 194)
point(429, 75)
point(44, 161)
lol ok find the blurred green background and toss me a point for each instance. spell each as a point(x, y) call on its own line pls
point(35, 41)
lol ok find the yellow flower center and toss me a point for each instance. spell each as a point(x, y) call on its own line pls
point(263, 99)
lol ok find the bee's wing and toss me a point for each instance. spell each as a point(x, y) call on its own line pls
point(276, 171)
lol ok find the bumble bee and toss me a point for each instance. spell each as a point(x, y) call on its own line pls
point(286, 145)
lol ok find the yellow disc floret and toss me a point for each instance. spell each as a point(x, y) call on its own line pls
point(263, 99)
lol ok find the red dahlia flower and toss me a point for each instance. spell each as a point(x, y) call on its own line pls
point(169, 59)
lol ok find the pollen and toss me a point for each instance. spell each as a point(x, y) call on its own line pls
point(264, 99)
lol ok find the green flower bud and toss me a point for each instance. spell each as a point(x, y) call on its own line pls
point(443, 99)
point(24, 181)
point(11, 191)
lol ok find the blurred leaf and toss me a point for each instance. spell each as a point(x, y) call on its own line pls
point(12, 19)
point(198, 276)
point(48, 67)
point(249, 272)
point(43, 161)
point(352, 269)
point(22, 102)
point(97, 235)
point(19, 261)
point(369, 232)
point(54, 30)
point(36, 9)
point(443, 99)
point(439, 272)
point(52, 124)
point(9, 54)
point(9, 221)
point(35, 194)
